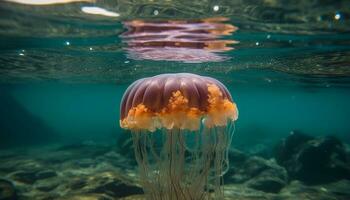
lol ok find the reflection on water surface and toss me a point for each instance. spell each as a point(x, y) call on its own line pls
point(191, 41)
point(119, 41)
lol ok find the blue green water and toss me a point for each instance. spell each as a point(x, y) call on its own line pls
point(268, 111)
point(69, 69)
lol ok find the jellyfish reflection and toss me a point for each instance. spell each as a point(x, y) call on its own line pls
point(182, 126)
point(175, 40)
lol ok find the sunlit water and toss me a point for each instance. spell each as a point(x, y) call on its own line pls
point(64, 67)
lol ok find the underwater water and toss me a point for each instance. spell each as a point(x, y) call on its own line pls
point(65, 65)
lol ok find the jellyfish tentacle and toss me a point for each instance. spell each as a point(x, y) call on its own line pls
point(230, 131)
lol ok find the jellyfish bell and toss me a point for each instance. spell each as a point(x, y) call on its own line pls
point(182, 126)
point(176, 101)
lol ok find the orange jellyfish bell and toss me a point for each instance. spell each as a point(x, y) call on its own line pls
point(176, 101)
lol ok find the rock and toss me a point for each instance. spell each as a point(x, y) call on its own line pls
point(7, 190)
point(46, 188)
point(255, 165)
point(28, 177)
point(297, 190)
point(46, 174)
point(290, 146)
point(45, 196)
point(235, 174)
point(256, 172)
point(116, 159)
point(47, 185)
point(261, 150)
point(313, 160)
point(265, 175)
point(339, 189)
point(103, 174)
point(86, 197)
point(76, 184)
point(266, 184)
point(20, 164)
point(117, 188)
point(241, 192)
point(112, 184)
point(236, 156)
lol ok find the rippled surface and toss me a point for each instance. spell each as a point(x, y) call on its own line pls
point(188, 41)
point(90, 41)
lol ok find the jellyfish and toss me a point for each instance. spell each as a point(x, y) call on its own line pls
point(182, 126)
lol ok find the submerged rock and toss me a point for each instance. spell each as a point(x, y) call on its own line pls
point(290, 146)
point(7, 190)
point(338, 190)
point(47, 185)
point(313, 160)
point(341, 189)
point(86, 197)
point(30, 177)
point(110, 183)
point(267, 183)
point(297, 190)
point(45, 174)
point(77, 183)
point(266, 176)
point(242, 192)
point(117, 188)
point(256, 172)
point(110, 176)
